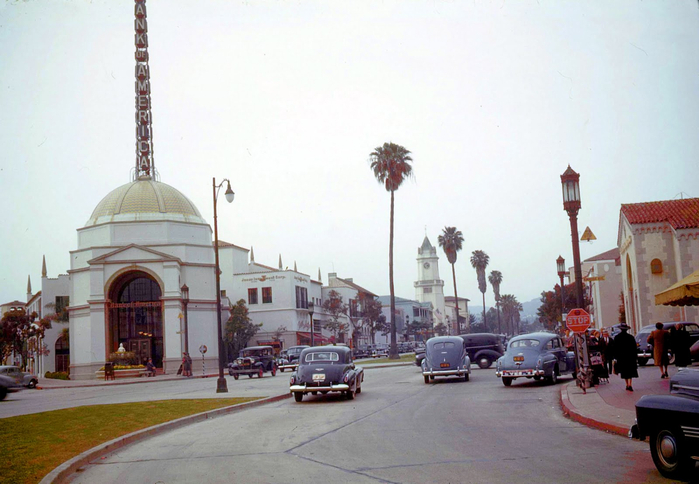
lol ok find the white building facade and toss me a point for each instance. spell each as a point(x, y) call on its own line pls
point(429, 288)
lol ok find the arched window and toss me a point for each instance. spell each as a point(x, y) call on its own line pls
point(656, 267)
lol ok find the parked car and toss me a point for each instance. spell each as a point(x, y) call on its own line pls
point(8, 385)
point(22, 378)
point(255, 360)
point(483, 348)
point(290, 362)
point(446, 356)
point(535, 355)
point(645, 350)
point(324, 369)
point(419, 356)
point(672, 424)
point(359, 353)
point(379, 350)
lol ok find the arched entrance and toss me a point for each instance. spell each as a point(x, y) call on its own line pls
point(135, 317)
point(62, 354)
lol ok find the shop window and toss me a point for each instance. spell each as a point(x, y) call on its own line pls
point(266, 295)
point(656, 267)
point(252, 296)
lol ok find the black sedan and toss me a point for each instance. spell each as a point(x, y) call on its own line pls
point(324, 369)
point(537, 356)
point(672, 423)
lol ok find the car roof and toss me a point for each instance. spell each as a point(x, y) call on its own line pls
point(256, 347)
point(438, 339)
point(541, 335)
point(319, 349)
point(298, 346)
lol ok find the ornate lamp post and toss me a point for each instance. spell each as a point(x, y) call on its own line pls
point(185, 301)
point(561, 267)
point(311, 307)
point(221, 385)
point(570, 181)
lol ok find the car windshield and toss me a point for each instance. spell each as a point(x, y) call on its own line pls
point(295, 351)
point(444, 345)
point(322, 356)
point(525, 343)
point(252, 353)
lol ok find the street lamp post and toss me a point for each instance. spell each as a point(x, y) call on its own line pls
point(561, 267)
point(221, 385)
point(311, 307)
point(185, 301)
point(570, 181)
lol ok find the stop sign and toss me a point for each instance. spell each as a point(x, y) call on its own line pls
point(578, 320)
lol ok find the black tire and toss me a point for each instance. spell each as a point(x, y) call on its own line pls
point(484, 363)
point(467, 377)
point(32, 384)
point(250, 375)
point(3, 393)
point(274, 370)
point(230, 372)
point(553, 379)
point(642, 361)
point(350, 394)
point(298, 396)
point(359, 387)
point(427, 379)
point(669, 452)
point(260, 372)
point(507, 381)
point(236, 376)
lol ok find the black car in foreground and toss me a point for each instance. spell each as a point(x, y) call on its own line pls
point(324, 369)
point(672, 424)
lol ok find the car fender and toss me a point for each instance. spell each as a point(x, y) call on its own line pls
point(548, 362)
point(493, 355)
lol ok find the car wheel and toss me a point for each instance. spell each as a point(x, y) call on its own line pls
point(467, 377)
point(250, 375)
point(359, 387)
point(32, 384)
point(235, 376)
point(669, 454)
point(230, 372)
point(553, 379)
point(507, 381)
point(350, 394)
point(484, 363)
point(274, 371)
point(260, 373)
point(298, 396)
point(281, 369)
point(3, 393)
point(643, 361)
point(427, 379)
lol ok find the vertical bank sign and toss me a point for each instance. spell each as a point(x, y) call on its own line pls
point(144, 161)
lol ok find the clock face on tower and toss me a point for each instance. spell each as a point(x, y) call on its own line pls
point(426, 265)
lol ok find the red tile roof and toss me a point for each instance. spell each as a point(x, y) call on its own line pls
point(612, 254)
point(680, 214)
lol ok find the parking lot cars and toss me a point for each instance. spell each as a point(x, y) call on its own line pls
point(446, 356)
point(483, 348)
point(290, 361)
point(324, 369)
point(645, 350)
point(671, 422)
point(255, 360)
point(537, 356)
point(8, 385)
point(22, 378)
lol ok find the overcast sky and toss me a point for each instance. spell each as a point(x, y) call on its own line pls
point(288, 99)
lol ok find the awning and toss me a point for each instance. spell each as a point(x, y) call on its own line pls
point(683, 293)
point(317, 337)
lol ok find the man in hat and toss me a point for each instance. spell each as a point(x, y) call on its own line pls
point(626, 356)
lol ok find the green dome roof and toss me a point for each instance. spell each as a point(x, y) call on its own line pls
point(145, 200)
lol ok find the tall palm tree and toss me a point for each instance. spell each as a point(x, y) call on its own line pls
point(495, 278)
point(510, 310)
point(479, 261)
point(451, 241)
point(391, 166)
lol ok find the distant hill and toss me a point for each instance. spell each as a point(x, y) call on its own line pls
point(528, 311)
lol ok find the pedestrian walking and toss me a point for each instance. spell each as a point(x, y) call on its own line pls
point(607, 349)
point(680, 342)
point(626, 356)
point(660, 341)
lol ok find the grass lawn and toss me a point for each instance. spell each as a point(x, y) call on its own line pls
point(33, 445)
point(409, 357)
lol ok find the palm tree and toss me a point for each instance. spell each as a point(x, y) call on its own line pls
point(495, 278)
point(451, 241)
point(391, 166)
point(479, 261)
point(510, 309)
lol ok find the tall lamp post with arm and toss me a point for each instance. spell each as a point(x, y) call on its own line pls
point(311, 307)
point(185, 301)
point(561, 268)
point(221, 385)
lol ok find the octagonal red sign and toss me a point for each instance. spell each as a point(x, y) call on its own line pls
point(578, 320)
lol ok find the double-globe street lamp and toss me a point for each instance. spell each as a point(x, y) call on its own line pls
point(570, 181)
point(221, 385)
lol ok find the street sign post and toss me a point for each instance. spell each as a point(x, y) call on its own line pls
point(578, 320)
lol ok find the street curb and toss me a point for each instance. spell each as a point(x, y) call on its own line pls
point(102, 383)
point(570, 411)
point(387, 365)
point(64, 471)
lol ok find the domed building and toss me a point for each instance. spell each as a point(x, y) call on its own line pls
point(142, 243)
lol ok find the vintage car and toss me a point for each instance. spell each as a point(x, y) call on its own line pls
point(645, 349)
point(324, 369)
point(446, 356)
point(291, 359)
point(254, 360)
point(672, 423)
point(23, 378)
point(537, 356)
point(8, 385)
point(483, 348)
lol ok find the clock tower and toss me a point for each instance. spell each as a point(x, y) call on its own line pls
point(429, 287)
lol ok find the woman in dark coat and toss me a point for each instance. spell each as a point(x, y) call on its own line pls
point(626, 356)
point(680, 343)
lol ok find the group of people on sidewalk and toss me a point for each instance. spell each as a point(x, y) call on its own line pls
point(619, 355)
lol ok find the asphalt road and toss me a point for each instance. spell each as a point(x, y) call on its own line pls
point(397, 430)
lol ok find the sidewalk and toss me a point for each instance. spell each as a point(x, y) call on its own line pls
point(609, 406)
